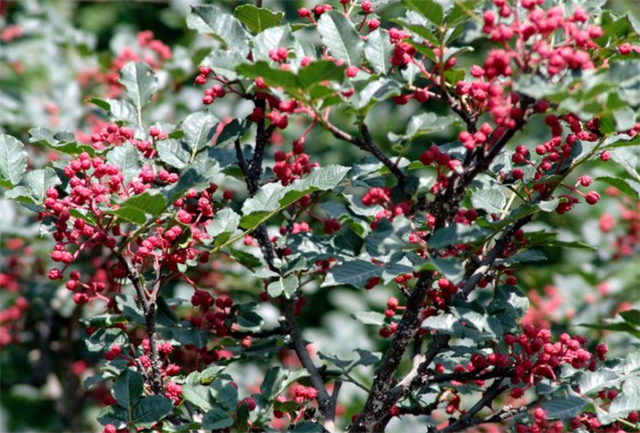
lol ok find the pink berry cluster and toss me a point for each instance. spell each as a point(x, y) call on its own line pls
point(382, 196)
point(534, 356)
point(95, 188)
point(213, 313)
point(540, 424)
point(590, 421)
point(625, 228)
point(111, 135)
point(148, 49)
point(299, 394)
point(11, 319)
point(443, 163)
point(538, 30)
point(215, 91)
point(292, 165)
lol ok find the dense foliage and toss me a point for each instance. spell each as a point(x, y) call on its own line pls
point(366, 216)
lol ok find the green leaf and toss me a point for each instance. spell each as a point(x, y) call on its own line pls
point(625, 119)
point(525, 257)
point(224, 63)
point(115, 415)
point(127, 390)
point(226, 394)
point(231, 131)
point(631, 316)
point(101, 340)
point(627, 401)
point(456, 234)
point(284, 286)
point(355, 273)
point(339, 35)
point(564, 408)
point(118, 110)
point(389, 237)
point(265, 200)
point(625, 186)
point(209, 19)
point(197, 175)
point(509, 300)
point(270, 39)
point(377, 91)
point(444, 323)
point(135, 209)
point(626, 74)
point(462, 10)
point(216, 419)
point(140, 83)
point(104, 321)
point(378, 50)
point(272, 77)
point(370, 318)
point(426, 123)
point(199, 128)
point(13, 161)
point(429, 9)
point(274, 196)
point(271, 383)
point(196, 393)
point(491, 200)
point(150, 410)
point(174, 153)
point(61, 142)
point(38, 182)
point(593, 381)
point(450, 267)
point(127, 159)
point(319, 71)
point(257, 19)
point(627, 159)
point(223, 225)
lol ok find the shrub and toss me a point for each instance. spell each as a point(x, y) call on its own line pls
point(437, 233)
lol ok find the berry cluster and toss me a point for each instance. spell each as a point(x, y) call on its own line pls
point(149, 50)
point(534, 356)
point(625, 228)
point(111, 135)
point(212, 313)
point(215, 91)
point(382, 196)
point(443, 163)
point(292, 165)
point(540, 424)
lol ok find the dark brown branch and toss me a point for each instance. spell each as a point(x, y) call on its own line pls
point(252, 173)
point(149, 311)
point(468, 419)
point(324, 400)
point(473, 277)
point(444, 208)
point(377, 404)
point(367, 144)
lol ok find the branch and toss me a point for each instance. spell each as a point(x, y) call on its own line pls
point(468, 419)
point(252, 173)
point(378, 404)
point(367, 145)
point(149, 310)
point(496, 251)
